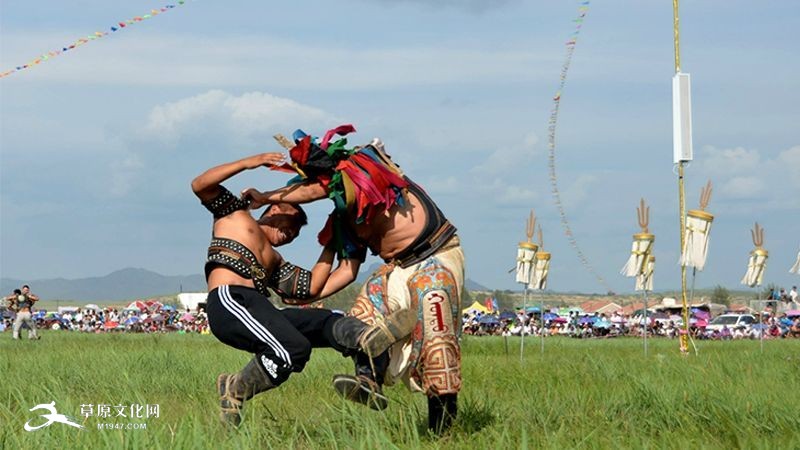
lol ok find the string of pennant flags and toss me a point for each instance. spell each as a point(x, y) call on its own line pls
point(92, 37)
point(551, 143)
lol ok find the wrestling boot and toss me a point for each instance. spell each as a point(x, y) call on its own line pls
point(365, 387)
point(442, 410)
point(235, 388)
point(355, 335)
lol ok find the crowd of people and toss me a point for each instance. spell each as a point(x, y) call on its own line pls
point(781, 295)
point(138, 317)
point(580, 325)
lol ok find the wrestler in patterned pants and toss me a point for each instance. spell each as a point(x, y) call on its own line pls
point(429, 360)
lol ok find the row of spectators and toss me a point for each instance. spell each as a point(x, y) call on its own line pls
point(600, 325)
point(148, 317)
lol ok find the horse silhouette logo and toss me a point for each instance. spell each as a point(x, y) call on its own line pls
point(52, 417)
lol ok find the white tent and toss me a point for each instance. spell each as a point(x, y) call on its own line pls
point(191, 299)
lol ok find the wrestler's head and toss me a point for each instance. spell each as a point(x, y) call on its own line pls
point(281, 223)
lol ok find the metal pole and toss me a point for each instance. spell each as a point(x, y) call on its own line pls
point(646, 323)
point(524, 315)
point(684, 338)
point(541, 316)
point(691, 301)
point(761, 319)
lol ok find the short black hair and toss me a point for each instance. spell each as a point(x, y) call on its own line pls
point(25, 286)
point(302, 217)
point(17, 292)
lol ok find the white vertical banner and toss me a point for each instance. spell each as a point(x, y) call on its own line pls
point(640, 250)
point(698, 235)
point(525, 255)
point(540, 271)
point(755, 268)
point(644, 281)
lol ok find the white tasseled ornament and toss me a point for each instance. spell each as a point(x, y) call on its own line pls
point(641, 248)
point(644, 281)
point(525, 255)
point(540, 271)
point(755, 268)
point(796, 267)
point(698, 233)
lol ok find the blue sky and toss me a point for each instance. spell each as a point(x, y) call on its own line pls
point(99, 145)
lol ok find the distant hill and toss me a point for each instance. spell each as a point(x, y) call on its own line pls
point(132, 283)
point(472, 285)
point(122, 284)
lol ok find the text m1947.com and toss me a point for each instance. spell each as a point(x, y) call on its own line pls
point(122, 426)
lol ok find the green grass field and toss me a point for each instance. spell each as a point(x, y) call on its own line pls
point(579, 394)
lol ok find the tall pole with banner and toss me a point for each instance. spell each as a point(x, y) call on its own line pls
point(682, 153)
point(755, 273)
point(641, 263)
point(526, 252)
point(697, 236)
point(541, 268)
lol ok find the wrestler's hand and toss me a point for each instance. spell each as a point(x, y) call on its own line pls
point(264, 159)
point(256, 198)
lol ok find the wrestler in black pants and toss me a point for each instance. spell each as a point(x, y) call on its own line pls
point(281, 340)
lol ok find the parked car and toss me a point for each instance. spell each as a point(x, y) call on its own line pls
point(732, 321)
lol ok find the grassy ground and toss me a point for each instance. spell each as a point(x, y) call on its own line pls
point(579, 394)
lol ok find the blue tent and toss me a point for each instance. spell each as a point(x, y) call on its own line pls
point(489, 320)
point(532, 309)
point(550, 316)
point(507, 315)
point(602, 324)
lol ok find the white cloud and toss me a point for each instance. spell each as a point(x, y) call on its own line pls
point(726, 162)
point(577, 191)
point(503, 191)
point(467, 5)
point(124, 174)
point(506, 175)
point(789, 166)
point(746, 187)
point(239, 117)
point(770, 182)
point(448, 185)
point(510, 159)
point(259, 60)
point(516, 194)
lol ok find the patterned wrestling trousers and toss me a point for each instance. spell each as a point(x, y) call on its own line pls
point(429, 360)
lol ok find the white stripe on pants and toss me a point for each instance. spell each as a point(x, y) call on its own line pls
point(252, 324)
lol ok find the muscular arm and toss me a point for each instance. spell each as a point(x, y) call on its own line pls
point(325, 283)
point(206, 185)
point(344, 274)
point(305, 192)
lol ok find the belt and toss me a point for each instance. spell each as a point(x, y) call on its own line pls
point(240, 260)
point(443, 239)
